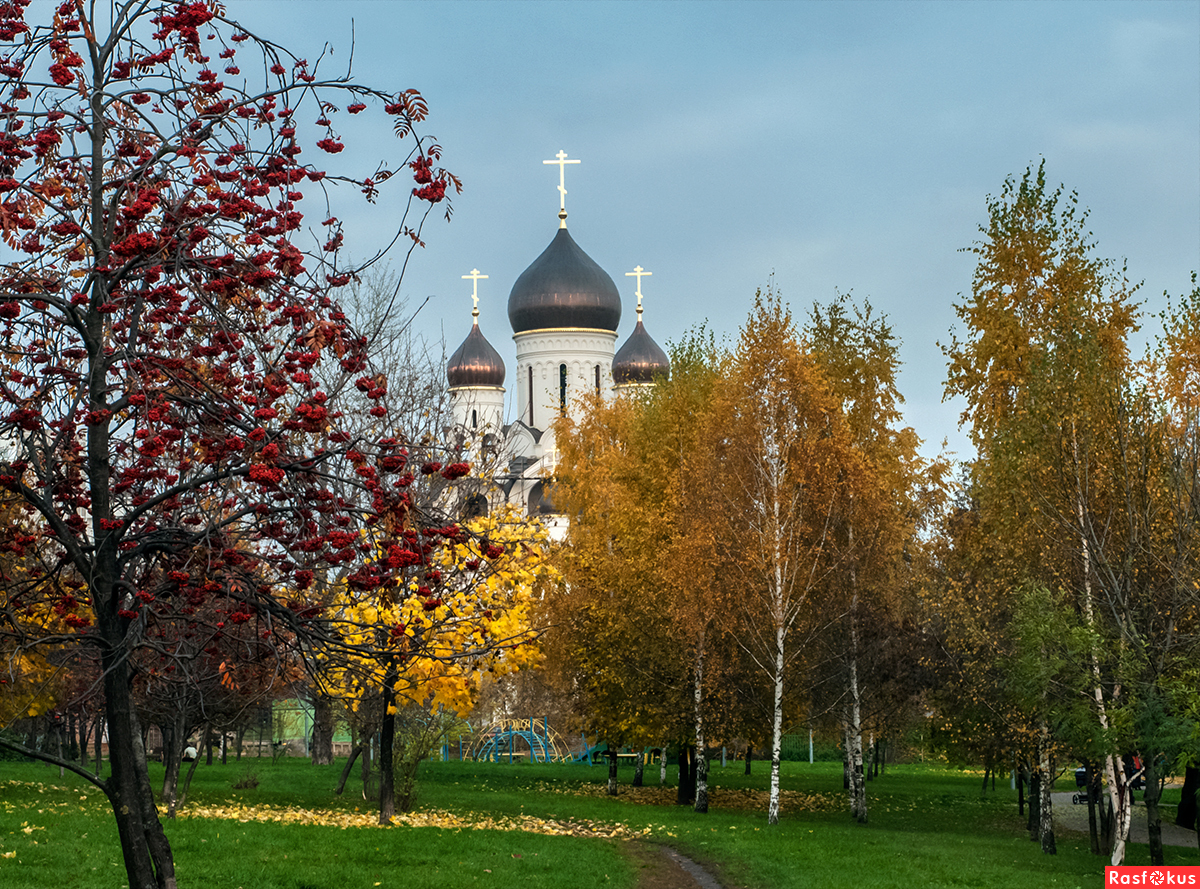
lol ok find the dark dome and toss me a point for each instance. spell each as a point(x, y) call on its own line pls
point(475, 363)
point(640, 360)
point(564, 287)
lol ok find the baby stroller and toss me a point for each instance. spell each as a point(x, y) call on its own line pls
point(1080, 799)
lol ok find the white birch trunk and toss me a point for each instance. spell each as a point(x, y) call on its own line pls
point(1114, 769)
point(1046, 811)
point(776, 729)
point(854, 752)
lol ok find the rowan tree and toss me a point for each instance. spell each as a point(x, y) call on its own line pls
point(162, 320)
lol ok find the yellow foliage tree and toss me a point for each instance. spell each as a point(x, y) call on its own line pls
point(31, 680)
point(413, 646)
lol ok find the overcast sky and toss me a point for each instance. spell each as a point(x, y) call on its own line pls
point(846, 145)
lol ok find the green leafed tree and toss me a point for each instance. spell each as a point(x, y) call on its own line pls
point(1080, 485)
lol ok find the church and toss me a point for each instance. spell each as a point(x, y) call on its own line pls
point(564, 310)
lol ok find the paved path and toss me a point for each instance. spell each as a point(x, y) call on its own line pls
point(1072, 817)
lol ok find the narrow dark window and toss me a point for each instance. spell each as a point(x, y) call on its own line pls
point(562, 388)
point(531, 395)
point(474, 420)
point(597, 379)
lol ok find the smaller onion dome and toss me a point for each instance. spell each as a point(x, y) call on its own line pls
point(475, 363)
point(640, 360)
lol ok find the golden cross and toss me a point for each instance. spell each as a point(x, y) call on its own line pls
point(562, 184)
point(475, 277)
point(638, 273)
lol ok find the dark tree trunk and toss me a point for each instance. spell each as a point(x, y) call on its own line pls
point(72, 737)
point(322, 741)
point(241, 736)
point(1188, 802)
point(1091, 785)
point(1021, 791)
point(612, 771)
point(1108, 825)
point(354, 754)
point(1151, 797)
point(749, 756)
point(83, 738)
point(983, 790)
point(147, 853)
point(368, 746)
point(1035, 788)
point(174, 738)
point(99, 740)
point(387, 739)
point(206, 741)
point(639, 765)
point(58, 740)
point(683, 793)
point(187, 781)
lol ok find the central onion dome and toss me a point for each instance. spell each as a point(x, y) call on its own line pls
point(564, 287)
point(475, 363)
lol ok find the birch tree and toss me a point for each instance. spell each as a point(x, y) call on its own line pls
point(788, 472)
point(860, 358)
point(1042, 368)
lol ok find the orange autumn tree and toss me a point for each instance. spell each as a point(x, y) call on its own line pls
point(611, 629)
point(879, 529)
point(789, 474)
point(642, 625)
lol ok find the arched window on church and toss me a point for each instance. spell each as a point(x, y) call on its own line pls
point(531, 397)
point(562, 388)
point(474, 419)
point(597, 379)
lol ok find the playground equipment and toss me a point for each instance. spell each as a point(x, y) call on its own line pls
point(508, 740)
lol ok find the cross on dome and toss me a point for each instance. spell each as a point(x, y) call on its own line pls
point(639, 273)
point(475, 279)
point(562, 184)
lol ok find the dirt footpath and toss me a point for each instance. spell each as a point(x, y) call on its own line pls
point(1071, 817)
point(660, 867)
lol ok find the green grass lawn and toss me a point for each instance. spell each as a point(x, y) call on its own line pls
point(929, 828)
